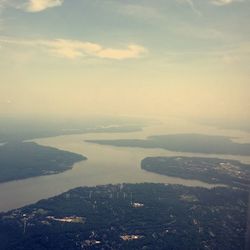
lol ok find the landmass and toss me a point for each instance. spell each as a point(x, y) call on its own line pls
point(20, 160)
point(130, 216)
point(210, 170)
point(18, 129)
point(194, 143)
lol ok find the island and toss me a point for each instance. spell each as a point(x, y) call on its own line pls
point(193, 143)
point(211, 170)
point(20, 160)
point(130, 216)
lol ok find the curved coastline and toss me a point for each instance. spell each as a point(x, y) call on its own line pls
point(105, 164)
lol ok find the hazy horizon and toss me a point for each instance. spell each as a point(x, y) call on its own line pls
point(124, 124)
point(150, 59)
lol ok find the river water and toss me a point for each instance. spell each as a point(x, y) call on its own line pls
point(105, 164)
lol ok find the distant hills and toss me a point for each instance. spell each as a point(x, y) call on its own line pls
point(193, 143)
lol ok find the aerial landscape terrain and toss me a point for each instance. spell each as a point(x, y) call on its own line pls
point(125, 125)
point(127, 216)
point(130, 216)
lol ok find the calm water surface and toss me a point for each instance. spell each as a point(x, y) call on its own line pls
point(105, 164)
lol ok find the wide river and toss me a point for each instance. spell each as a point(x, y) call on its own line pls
point(105, 164)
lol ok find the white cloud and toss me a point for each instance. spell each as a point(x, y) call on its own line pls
point(214, 2)
point(30, 5)
point(132, 51)
point(224, 2)
point(72, 49)
point(40, 5)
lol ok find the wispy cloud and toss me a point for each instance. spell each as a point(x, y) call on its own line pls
point(237, 54)
point(224, 2)
point(2, 2)
point(196, 32)
point(192, 6)
point(31, 5)
point(139, 11)
point(73, 49)
point(40, 5)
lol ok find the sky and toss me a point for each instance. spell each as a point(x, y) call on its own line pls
point(151, 58)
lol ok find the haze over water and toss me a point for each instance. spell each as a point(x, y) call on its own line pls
point(105, 164)
point(179, 59)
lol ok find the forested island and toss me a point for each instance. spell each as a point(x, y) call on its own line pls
point(194, 143)
point(130, 216)
point(20, 160)
point(210, 170)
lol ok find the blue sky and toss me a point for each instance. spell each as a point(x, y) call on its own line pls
point(110, 49)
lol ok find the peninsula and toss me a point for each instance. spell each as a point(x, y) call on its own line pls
point(20, 160)
point(211, 170)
